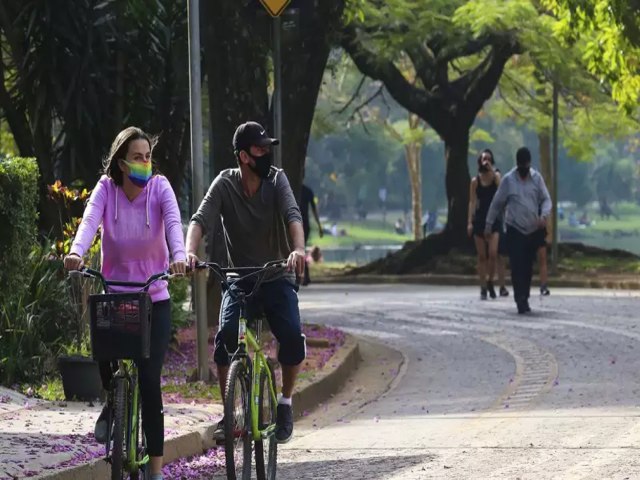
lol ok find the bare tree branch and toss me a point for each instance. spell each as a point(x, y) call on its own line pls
point(415, 99)
point(353, 97)
point(364, 123)
point(508, 103)
point(359, 108)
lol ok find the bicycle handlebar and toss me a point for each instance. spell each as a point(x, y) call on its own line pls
point(243, 272)
point(90, 273)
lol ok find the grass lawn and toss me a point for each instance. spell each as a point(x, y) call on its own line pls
point(599, 264)
point(622, 233)
point(365, 233)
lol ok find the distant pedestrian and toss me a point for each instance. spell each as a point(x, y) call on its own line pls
point(308, 200)
point(542, 261)
point(481, 191)
point(524, 194)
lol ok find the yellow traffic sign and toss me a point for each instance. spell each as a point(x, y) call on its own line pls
point(275, 7)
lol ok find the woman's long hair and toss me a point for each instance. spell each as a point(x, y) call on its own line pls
point(486, 150)
point(119, 149)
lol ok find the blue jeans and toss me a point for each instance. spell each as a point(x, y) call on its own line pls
point(278, 300)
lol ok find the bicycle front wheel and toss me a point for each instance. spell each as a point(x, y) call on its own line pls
point(237, 430)
point(266, 450)
point(119, 429)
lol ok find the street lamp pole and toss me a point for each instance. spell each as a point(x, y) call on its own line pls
point(197, 187)
point(554, 179)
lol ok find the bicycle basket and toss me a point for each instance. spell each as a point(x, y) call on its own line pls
point(120, 325)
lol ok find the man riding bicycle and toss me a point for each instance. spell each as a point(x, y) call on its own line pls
point(255, 202)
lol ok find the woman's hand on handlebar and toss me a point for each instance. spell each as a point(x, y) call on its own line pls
point(178, 268)
point(73, 262)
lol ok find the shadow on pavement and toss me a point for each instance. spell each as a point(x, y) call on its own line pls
point(364, 467)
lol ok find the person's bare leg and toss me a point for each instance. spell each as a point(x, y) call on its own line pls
point(500, 270)
point(493, 256)
point(481, 248)
point(155, 464)
point(542, 270)
point(542, 265)
point(289, 375)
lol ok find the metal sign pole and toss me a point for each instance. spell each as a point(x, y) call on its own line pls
point(277, 88)
point(195, 90)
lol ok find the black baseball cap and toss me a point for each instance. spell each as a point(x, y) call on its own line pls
point(251, 134)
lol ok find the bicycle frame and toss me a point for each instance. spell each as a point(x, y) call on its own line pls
point(258, 365)
point(128, 371)
point(248, 341)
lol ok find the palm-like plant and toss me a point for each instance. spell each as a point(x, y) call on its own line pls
point(75, 73)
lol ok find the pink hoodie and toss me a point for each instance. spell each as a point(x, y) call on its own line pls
point(134, 234)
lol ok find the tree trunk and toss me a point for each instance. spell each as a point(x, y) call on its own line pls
point(237, 93)
point(457, 185)
point(235, 54)
point(412, 154)
point(304, 57)
point(544, 142)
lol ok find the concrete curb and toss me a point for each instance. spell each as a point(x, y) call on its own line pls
point(320, 387)
point(330, 379)
point(456, 280)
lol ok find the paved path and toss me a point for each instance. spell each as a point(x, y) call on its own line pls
point(484, 393)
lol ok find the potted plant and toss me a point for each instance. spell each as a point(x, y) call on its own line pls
point(80, 373)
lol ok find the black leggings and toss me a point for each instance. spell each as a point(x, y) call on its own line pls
point(149, 371)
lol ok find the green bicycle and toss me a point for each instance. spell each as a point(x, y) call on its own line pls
point(250, 395)
point(120, 332)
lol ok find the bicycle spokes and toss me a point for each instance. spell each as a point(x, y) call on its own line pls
point(236, 424)
point(240, 430)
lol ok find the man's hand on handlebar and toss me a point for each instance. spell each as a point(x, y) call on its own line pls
point(295, 262)
point(192, 262)
point(73, 262)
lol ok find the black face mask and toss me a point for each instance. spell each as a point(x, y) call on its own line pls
point(263, 164)
point(484, 168)
point(523, 171)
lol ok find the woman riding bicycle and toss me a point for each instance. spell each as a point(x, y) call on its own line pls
point(140, 222)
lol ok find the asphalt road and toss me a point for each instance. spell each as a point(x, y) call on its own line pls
point(483, 393)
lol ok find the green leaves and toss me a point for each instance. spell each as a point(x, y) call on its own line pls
point(608, 32)
point(83, 70)
point(482, 17)
point(18, 217)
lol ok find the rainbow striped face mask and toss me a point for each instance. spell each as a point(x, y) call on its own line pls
point(139, 173)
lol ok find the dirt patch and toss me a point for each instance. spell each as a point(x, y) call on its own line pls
point(429, 256)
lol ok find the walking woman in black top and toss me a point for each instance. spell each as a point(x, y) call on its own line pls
point(481, 191)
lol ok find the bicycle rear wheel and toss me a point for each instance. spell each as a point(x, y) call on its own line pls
point(237, 430)
point(266, 449)
point(119, 451)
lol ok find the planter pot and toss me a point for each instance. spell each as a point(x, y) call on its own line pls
point(80, 378)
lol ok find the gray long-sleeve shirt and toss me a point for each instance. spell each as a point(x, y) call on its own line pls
point(525, 200)
point(255, 228)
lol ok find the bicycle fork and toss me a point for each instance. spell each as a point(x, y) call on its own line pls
point(134, 428)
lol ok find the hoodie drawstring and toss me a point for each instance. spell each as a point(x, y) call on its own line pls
point(146, 206)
